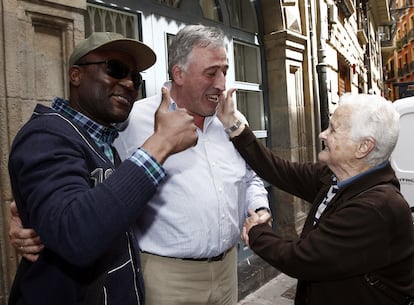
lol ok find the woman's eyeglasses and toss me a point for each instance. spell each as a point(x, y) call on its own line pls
point(118, 70)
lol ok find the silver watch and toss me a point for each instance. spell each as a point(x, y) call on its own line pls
point(233, 127)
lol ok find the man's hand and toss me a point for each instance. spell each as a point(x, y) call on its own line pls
point(227, 112)
point(226, 108)
point(174, 131)
point(254, 220)
point(25, 241)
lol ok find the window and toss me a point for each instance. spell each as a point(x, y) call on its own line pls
point(172, 3)
point(247, 63)
point(169, 38)
point(211, 10)
point(250, 103)
point(346, 8)
point(344, 79)
point(384, 32)
point(242, 15)
point(102, 19)
point(248, 79)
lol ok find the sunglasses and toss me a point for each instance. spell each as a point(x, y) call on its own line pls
point(118, 70)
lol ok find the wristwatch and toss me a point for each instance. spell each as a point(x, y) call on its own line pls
point(263, 209)
point(233, 127)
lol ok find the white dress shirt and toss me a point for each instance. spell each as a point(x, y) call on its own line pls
point(199, 209)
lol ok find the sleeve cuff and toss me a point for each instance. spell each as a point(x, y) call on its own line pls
point(152, 168)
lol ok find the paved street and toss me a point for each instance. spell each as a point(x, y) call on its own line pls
point(278, 291)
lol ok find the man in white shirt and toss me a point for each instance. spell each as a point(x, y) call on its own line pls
point(189, 231)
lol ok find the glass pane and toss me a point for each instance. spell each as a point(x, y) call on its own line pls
point(211, 10)
point(169, 38)
point(100, 18)
point(172, 3)
point(243, 15)
point(97, 22)
point(247, 63)
point(250, 103)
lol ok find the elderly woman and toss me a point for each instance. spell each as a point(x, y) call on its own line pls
point(357, 244)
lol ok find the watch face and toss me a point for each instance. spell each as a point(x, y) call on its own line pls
point(234, 127)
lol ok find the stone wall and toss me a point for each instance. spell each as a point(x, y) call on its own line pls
point(35, 41)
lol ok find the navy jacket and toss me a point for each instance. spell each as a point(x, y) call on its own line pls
point(67, 190)
point(365, 229)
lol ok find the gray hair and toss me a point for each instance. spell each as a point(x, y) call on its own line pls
point(373, 116)
point(189, 37)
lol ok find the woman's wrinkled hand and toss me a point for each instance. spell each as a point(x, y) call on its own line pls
point(253, 220)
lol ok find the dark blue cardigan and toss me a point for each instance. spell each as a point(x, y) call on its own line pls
point(67, 190)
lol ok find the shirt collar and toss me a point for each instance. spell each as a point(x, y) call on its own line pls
point(349, 180)
point(98, 132)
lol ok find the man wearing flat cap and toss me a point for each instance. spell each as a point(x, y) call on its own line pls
point(62, 171)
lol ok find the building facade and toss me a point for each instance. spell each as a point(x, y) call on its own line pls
point(399, 58)
point(289, 59)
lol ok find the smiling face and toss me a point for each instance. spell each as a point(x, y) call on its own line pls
point(99, 96)
point(199, 84)
point(340, 152)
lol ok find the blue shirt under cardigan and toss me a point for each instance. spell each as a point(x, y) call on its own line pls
point(105, 136)
point(66, 189)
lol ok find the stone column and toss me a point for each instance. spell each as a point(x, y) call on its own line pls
point(35, 43)
point(291, 116)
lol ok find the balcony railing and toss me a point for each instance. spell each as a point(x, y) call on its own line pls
point(410, 35)
point(402, 42)
point(406, 69)
point(389, 75)
point(346, 7)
